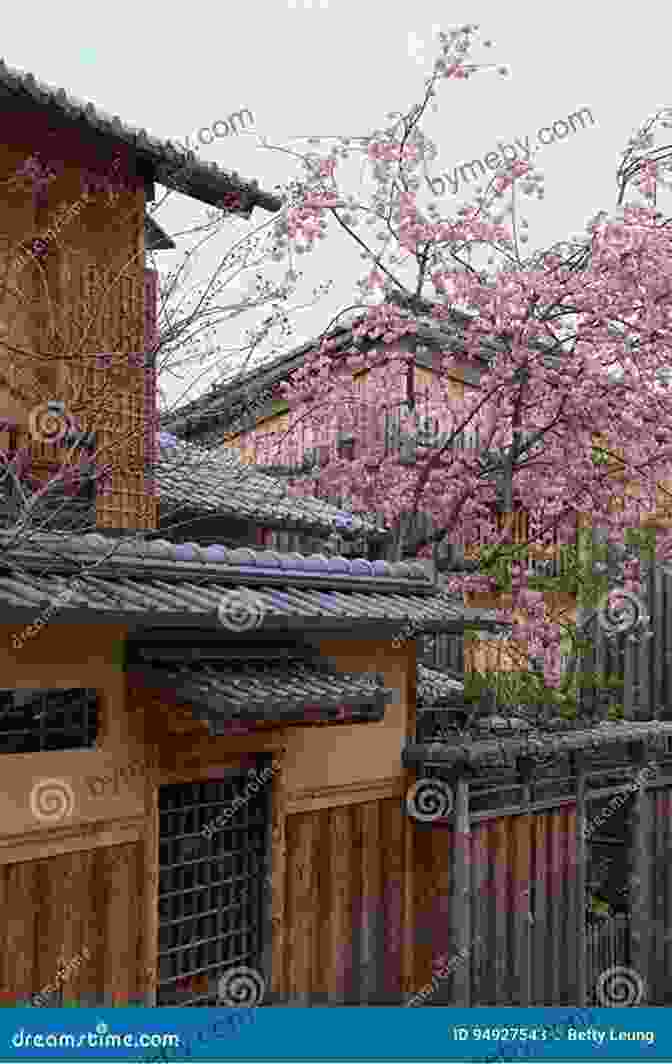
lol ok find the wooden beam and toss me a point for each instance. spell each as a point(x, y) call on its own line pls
point(461, 901)
point(151, 975)
point(581, 859)
point(640, 883)
point(278, 877)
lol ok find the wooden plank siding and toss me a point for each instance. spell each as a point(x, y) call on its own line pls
point(344, 897)
point(57, 908)
point(523, 904)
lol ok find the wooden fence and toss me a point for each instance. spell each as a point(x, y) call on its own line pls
point(607, 946)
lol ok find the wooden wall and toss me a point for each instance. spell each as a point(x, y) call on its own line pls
point(347, 906)
point(87, 297)
point(76, 905)
point(651, 886)
point(373, 909)
point(519, 910)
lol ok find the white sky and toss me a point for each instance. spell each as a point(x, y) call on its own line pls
point(338, 67)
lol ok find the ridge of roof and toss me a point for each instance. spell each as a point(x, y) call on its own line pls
point(429, 332)
point(60, 550)
point(171, 166)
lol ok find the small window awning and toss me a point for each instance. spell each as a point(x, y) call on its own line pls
point(240, 695)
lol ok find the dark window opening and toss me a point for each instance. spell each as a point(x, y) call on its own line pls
point(33, 720)
point(212, 891)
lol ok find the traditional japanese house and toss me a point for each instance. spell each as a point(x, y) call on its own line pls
point(517, 813)
point(184, 728)
point(201, 742)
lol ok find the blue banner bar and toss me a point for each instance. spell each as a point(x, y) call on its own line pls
point(336, 1034)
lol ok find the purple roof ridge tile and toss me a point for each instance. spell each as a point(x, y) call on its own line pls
point(338, 565)
point(217, 553)
point(361, 567)
point(268, 559)
point(291, 561)
point(316, 563)
point(186, 552)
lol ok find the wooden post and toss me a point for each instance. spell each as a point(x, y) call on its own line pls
point(152, 882)
point(278, 879)
point(640, 884)
point(581, 857)
point(408, 937)
point(461, 915)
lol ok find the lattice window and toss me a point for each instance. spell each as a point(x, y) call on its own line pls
point(33, 720)
point(212, 904)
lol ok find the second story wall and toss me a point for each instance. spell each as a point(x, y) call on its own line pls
point(74, 289)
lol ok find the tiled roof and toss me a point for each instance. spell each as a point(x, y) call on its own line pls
point(156, 582)
point(220, 408)
point(484, 754)
point(233, 696)
point(220, 482)
point(223, 403)
point(170, 164)
point(435, 687)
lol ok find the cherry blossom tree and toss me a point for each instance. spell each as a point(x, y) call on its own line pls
point(572, 417)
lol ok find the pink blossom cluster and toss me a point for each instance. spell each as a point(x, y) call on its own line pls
point(576, 340)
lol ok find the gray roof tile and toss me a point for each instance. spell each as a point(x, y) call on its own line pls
point(435, 688)
point(190, 476)
point(269, 692)
point(147, 580)
point(172, 166)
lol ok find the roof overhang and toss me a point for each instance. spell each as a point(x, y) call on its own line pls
point(155, 238)
point(156, 160)
point(239, 696)
point(462, 757)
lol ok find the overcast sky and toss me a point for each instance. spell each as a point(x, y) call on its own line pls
point(312, 67)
